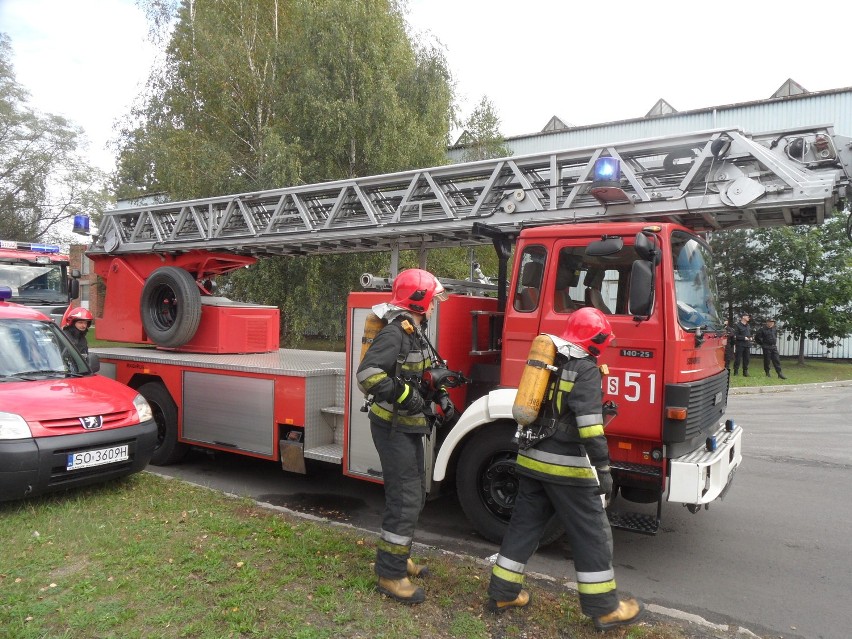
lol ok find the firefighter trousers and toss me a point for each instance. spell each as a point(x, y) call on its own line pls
point(401, 455)
point(584, 519)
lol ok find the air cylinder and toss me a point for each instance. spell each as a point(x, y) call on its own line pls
point(534, 380)
point(372, 325)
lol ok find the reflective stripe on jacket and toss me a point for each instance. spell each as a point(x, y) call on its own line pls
point(376, 376)
point(574, 400)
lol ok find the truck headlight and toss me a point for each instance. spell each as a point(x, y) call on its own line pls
point(13, 426)
point(143, 409)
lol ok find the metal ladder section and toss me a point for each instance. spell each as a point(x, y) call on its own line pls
point(706, 181)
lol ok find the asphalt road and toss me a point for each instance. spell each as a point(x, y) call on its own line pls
point(773, 557)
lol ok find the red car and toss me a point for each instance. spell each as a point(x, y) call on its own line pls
point(61, 425)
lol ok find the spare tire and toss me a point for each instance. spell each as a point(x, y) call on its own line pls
point(170, 307)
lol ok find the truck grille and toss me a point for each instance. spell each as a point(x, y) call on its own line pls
point(706, 401)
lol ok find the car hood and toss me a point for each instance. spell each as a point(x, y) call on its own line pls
point(59, 399)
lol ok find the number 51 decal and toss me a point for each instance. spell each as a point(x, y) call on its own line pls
point(634, 383)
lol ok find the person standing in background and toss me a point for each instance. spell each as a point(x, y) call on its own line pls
point(742, 344)
point(767, 338)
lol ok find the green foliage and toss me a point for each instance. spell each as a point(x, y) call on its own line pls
point(260, 94)
point(44, 180)
point(809, 278)
point(740, 262)
point(482, 137)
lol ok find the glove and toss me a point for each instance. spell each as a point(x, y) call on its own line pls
point(446, 405)
point(605, 479)
point(410, 399)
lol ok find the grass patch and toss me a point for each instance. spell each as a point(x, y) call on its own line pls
point(152, 557)
point(813, 371)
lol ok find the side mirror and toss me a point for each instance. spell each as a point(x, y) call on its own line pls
point(641, 290)
point(94, 363)
point(73, 289)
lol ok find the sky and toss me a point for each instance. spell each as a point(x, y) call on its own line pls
point(88, 59)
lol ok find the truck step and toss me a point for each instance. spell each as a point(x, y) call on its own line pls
point(634, 522)
point(332, 453)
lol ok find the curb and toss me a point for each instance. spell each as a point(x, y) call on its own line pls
point(754, 390)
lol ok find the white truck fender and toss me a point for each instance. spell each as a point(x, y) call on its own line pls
point(488, 408)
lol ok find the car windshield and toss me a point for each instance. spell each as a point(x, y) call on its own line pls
point(30, 284)
point(695, 286)
point(33, 349)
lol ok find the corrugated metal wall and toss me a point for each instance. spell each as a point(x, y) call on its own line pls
point(826, 107)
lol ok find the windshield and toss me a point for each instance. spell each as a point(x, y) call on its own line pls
point(32, 349)
point(35, 283)
point(695, 286)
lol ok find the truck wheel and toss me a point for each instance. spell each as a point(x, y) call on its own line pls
point(170, 307)
point(487, 484)
point(168, 450)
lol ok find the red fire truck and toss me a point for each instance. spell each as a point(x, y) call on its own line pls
point(38, 276)
point(619, 227)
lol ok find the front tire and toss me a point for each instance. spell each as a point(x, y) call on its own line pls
point(168, 449)
point(487, 483)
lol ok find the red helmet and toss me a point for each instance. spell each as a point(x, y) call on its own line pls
point(78, 314)
point(589, 329)
point(414, 289)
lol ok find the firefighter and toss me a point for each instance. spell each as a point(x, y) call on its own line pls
point(742, 344)
point(767, 338)
point(77, 324)
point(563, 467)
point(400, 418)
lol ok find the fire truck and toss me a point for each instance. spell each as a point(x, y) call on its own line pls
point(38, 276)
point(621, 227)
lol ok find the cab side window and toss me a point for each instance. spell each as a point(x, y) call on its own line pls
point(527, 294)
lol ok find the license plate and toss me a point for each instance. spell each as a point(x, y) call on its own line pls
point(99, 457)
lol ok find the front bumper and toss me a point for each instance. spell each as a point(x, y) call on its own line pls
point(30, 467)
point(702, 476)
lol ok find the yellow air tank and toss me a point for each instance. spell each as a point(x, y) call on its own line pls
point(534, 380)
point(372, 325)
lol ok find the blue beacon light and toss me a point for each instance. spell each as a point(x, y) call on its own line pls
point(606, 181)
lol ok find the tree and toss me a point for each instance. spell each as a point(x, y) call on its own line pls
point(258, 94)
point(482, 137)
point(739, 261)
point(809, 276)
point(44, 180)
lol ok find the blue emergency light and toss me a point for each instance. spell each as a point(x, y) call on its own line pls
point(711, 444)
point(44, 248)
point(5, 293)
point(607, 169)
point(606, 181)
point(81, 224)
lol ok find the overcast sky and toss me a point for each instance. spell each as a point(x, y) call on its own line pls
point(88, 59)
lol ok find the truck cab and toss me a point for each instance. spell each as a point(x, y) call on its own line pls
point(665, 372)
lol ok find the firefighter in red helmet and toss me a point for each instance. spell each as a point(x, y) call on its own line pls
point(390, 374)
point(77, 324)
point(563, 467)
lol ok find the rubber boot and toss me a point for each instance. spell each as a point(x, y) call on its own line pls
point(401, 590)
point(520, 601)
point(628, 612)
point(414, 570)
